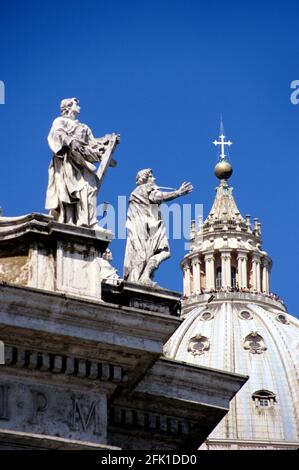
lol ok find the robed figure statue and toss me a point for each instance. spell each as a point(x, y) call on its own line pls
point(147, 244)
point(74, 180)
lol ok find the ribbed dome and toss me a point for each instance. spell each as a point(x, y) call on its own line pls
point(233, 322)
point(257, 339)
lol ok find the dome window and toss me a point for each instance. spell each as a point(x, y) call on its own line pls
point(206, 316)
point(254, 343)
point(282, 319)
point(264, 398)
point(245, 315)
point(198, 345)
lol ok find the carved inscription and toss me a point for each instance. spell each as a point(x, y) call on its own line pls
point(85, 417)
point(49, 410)
point(40, 404)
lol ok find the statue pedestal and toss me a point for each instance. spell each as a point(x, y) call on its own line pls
point(38, 252)
point(143, 297)
point(84, 365)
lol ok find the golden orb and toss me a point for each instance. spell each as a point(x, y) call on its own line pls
point(223, 170)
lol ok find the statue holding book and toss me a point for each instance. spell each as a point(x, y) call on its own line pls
point(74, 179)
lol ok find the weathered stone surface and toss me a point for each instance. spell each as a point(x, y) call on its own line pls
point(80, 349)
point(79, 369)
point(38, 252)
point(189, 401)
point(39, 408)
point(15, 269)
point(143, 297)
point(78, 269)
point(25, 359)
point(15, 440)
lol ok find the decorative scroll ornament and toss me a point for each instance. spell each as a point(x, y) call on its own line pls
point(198, 345)
point(254, 343)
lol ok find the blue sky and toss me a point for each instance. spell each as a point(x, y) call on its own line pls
point(161, 73)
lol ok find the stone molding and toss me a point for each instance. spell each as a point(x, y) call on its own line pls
point(257, 298)
point(37, 251)
point(146, 420)
point(200, 382)
point(58, 364)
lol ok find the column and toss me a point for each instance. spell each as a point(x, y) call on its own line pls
point(210, 271)
point(187, 280)
point(256, 272)
point(244, 273)
point(226, 269)
point(265, 277)
point(268, 277)
point(258, 276)
point(253, 274)
point(242, 270)
point(196, 287)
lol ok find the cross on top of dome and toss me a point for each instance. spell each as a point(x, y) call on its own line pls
point(222, 142)
point(223, 169)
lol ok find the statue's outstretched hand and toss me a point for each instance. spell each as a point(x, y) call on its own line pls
point(117, 138)
point(185, 188)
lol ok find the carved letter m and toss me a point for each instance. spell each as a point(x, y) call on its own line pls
point(85, 420)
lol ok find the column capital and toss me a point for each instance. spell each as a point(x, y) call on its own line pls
point(208, 252)
point(209, 257)
point(225, 254)
point(185, 265)
point(242, 254)
point(195, 260)
point(256, 257)
point(266, 262)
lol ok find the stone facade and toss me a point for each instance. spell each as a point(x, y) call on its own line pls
point(84, 365)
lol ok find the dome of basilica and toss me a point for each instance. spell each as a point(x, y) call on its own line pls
point(251, 337)
point(233, 322)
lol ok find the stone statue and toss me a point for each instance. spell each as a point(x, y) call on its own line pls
point(108, 272)
point(74, 180)
point(147, 244)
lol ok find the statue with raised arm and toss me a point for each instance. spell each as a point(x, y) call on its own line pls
point(147, 244)
point(74, 179)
